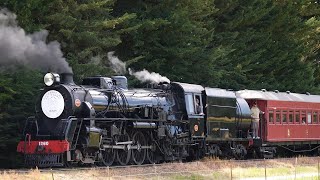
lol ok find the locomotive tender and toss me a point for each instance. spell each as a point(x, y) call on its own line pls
point(103, 122)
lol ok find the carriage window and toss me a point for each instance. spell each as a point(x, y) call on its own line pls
point(309, 117)
point(303, 117)
point(315, 118)
point(271, 116)
point(189, 103)
point(290, 116)
point(297, 117)
point(284, 116)
point(278, 116)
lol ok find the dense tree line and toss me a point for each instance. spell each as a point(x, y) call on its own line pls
point(234, 44)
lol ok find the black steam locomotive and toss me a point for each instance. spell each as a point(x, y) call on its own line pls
point(103, 122)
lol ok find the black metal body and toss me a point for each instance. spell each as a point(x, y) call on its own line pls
point(103, 122)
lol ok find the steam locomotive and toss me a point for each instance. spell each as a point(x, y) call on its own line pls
point(103, 122)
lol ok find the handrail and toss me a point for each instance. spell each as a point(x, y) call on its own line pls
point(27, 123)
point(67, 128)
point(119, 119)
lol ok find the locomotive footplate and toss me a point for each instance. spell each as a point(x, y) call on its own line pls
point(43, 160)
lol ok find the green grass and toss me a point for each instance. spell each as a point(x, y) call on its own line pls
point(302, 169)
point(191, 177)
point(220, 176)
point(307, 178)
point(250, 172)
point(279, 171)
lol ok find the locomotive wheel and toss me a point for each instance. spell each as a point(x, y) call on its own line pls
point(214, 150)
point(108, 157)
point(254, 153)
point(123, 155)
point(151, 154)
point(167, 148)
point(138, 154)
point(240, 152)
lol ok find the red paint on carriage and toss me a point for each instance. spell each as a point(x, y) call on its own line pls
point(289, 121)
point(288, 116)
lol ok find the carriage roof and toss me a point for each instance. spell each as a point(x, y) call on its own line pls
point(277, 96)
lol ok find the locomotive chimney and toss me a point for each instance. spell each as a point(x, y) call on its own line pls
point(67, 78)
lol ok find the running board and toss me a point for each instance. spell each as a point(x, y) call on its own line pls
point(122, 143)
point(123, 147)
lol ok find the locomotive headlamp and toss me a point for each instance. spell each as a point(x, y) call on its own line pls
point(51, 78)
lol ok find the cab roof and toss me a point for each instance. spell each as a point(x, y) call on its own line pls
point(189, 88)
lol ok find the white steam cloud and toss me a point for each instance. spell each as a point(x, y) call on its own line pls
point(145, 76)
point(120, 67)
point(19, 48)
point(116, 64)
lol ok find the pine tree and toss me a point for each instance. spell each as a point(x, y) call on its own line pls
point(170, 38)
point(264, 45)
point(310, 13)
point(87, 31)
point(17, 98)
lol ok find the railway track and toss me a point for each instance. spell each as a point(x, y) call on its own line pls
point(62, 169)
point(172, 166)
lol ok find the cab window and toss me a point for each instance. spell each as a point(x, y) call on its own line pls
point(198, 104)
point(189, 103)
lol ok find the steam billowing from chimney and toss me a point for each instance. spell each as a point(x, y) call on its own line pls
point(19, 48)
point(145, 76)
point(120, 67)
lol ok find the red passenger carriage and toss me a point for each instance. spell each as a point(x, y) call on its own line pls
point(290, 121)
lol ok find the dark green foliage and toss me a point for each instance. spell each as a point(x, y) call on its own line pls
point(87, 32)
point(170, 38)
point(263, 46)
point(230, 44)
point(29, 12)
point(18, 93)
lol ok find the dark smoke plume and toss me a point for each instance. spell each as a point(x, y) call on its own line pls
point(19, 48)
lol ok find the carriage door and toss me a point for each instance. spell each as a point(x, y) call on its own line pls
point(194, 106)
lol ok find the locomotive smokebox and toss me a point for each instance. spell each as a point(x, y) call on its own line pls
point(67, 78)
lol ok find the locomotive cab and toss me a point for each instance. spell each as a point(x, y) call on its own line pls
point(190, 98)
